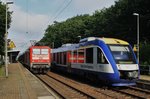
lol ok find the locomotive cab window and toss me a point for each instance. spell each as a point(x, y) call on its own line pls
point(100, 57)
point(36, 51)
point(44, 51)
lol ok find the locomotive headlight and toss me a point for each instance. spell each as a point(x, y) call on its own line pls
point(47, 66)
point(34, 66)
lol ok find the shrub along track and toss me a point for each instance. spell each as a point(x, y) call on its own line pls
point(68, 88)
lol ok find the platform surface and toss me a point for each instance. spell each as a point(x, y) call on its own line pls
point(21, 84)
point(145, 77)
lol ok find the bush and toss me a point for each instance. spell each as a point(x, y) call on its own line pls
point(145, 54)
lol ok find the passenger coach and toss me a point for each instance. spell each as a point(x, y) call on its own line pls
point(107, 60)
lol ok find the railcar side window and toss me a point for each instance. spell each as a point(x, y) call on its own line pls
point(74, 56)
point(89, 55)
point(81, 56)
point(100, 57)
point(44, 51)
point(36, 51)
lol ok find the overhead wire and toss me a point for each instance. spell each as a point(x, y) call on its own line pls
point(60, 12)
point(27, 27)
point(61, 5)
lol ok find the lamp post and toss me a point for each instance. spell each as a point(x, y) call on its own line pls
point(6, 34)
point(138, 41)
point(79, 37)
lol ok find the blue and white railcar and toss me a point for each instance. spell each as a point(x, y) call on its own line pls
point(111, 61)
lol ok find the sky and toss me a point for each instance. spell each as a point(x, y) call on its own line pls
point(30, 18)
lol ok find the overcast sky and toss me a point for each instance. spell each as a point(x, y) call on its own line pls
point(30, 18)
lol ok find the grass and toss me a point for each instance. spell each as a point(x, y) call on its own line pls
point(2, 71)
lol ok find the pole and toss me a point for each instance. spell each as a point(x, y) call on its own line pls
point(6, 34)
point(138, 35)
point(6, 65)
point(138, 41)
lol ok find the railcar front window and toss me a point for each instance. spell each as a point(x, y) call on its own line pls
point(36, 51)
point(44, 51)
point(122, 54)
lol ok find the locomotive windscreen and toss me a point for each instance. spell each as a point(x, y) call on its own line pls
point(40, 54)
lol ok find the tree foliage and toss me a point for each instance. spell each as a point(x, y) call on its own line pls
point(2, 25)
point(116, 21)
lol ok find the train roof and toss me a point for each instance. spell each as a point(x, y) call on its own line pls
point(39, 47)
point(106, 40)
point(69, 47)
point(66, 47)
point(114, 41)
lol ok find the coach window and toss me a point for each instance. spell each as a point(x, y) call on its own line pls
point(64, 58)
point(36, 51)
point(89, 55)
point(60, 54)
point(100, 57)
point(58, 58)
point(54, 57)
point(44, 51)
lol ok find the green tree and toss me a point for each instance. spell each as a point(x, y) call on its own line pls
point(116, 21)
point(2, 25)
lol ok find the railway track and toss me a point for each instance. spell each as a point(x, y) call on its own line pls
point(143, 84)
point(134, 92)
point(63, 90)
point(68, 88)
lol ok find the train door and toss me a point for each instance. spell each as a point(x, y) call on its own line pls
point(95, 56)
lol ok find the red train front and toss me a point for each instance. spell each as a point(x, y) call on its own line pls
point(37, 58)
point(40, 58)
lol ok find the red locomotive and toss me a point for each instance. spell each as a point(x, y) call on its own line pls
point(36, 58)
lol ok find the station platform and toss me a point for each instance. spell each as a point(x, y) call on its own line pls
point(145, 77)
point(21, 84)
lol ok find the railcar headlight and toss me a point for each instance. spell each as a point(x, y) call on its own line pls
point(130, 74)
point(135, 74)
